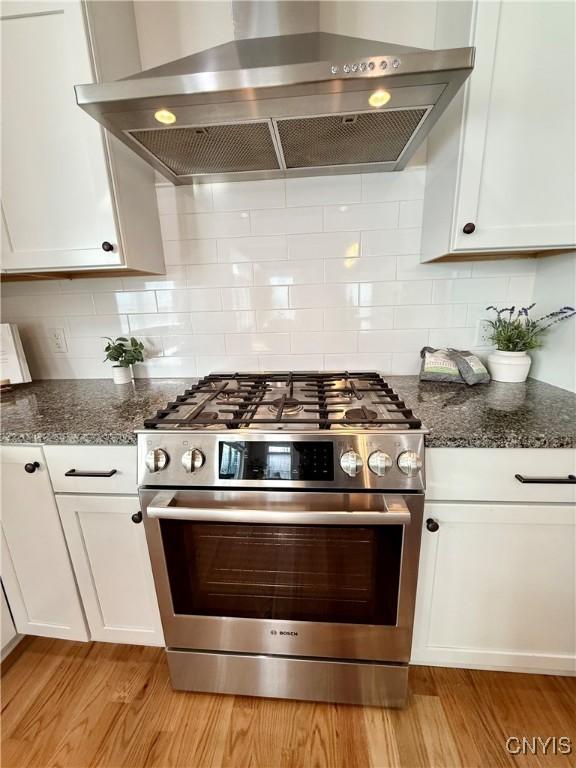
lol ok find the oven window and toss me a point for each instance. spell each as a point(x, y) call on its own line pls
point(303, 573)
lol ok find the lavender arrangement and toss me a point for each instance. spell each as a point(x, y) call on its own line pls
point(515, 331)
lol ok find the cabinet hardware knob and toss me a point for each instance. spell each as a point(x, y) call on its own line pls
point(106, 246)
point(432, 525)
point(31, 467)
point(137, 517)
point(468, 228)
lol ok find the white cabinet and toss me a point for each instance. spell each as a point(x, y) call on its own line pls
point(9, 636)
point(73, 198)
point(502, 157)
point(36, 570)
point(497, 587)
point(112, 567)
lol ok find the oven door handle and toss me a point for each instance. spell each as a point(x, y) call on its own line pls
point(395, 513)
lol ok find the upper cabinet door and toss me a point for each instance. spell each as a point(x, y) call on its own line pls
point(502, 159)
point(57, 208)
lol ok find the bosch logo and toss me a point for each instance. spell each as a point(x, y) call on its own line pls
point(284, 633)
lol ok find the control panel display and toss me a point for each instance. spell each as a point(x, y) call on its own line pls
point(255, 460)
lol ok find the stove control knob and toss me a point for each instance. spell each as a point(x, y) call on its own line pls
point(193, 460)
point(156, 460)
point(351, 463)
point(379, 463)
point(409, 463)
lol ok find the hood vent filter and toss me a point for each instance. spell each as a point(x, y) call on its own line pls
point(305, 142)
point(372, 137)
point(211, 149)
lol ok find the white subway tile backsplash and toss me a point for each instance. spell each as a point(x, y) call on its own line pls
point(493, 268)
point(405, 363)
point(223, 322)
point(101, 325)
point(358, 318)
point(520, 290)
point(489, 289)
point(302, 296)
point(195, 198)
point(360, 270)
point(358, 361)
point(245, 343)
point(272, 248)
point(249, 194)
point(408, 267)
point(363, 216)
point(286, 221)
point(291, 362)
point(411, 214)
point(457, 338)
point(161, 324)
point(395, 292)
point(207, 299)
point(302, 274)
point(225, 363)
point(192, 226)
point(211, 275)
point(193, 344)
point(126, 302)
point(289, 272)
point(392, 341)
point(175, 277)
point(166, 367)
point(391, 242)
point(304, 342)
point(46, 305)
point(324, 245)
point(323, 190)
point(391, 187)
point(178, 252)
point(255, 298)
point(274, 320)
point(430, 316)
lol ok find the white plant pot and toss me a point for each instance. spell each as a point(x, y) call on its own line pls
point(121, 374)
point(511, 367)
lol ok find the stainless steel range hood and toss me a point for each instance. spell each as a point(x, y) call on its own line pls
point(281, 105)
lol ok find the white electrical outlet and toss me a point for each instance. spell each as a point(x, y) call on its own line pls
point(57, 340)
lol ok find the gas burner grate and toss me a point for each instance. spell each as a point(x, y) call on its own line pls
point(299, 399)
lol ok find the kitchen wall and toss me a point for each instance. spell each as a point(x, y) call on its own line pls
point(555, 286)
point(308, 273)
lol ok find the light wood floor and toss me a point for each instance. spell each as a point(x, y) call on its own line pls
point(95, 704)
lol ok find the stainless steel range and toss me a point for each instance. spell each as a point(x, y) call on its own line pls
point(283, 515)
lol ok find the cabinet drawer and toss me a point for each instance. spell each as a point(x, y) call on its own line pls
point(489, 474)
point(92, 469)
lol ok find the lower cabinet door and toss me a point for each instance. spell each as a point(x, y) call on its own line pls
point(496, 587)
point(110, 558)
point(36, 569)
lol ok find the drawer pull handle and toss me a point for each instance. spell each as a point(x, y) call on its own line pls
point(31, 467)
point(568, 480)
point(83, 473)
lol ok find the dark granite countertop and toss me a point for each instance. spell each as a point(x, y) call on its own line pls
point(99, 412)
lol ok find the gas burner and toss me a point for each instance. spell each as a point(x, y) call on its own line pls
point(228, 394)
point(208, 416)
point(291, 406)
point(360, 414)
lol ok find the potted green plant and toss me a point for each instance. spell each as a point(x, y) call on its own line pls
point(515, 333)
point(123, 353)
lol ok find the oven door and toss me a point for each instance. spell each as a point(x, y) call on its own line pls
point(329, 575)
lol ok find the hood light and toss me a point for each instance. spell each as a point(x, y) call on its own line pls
point(379, 98)
point(165, 116)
